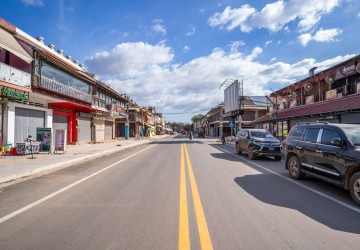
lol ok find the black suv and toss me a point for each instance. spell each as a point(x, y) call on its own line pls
point(330, 152)
point(257, 142)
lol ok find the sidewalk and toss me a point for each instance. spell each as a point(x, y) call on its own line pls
point(14, 167)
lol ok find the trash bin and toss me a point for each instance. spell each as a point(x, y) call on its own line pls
point(8, 147)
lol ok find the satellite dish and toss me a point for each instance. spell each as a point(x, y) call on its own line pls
point(308, 87)
point(357, 68)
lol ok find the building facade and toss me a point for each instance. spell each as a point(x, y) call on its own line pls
point(332, 95)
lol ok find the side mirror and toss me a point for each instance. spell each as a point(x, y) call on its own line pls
point(337, 142)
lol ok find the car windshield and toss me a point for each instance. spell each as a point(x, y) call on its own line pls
point(353, 134)
point(261, 134)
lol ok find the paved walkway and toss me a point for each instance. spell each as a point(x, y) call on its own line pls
point(15, 167)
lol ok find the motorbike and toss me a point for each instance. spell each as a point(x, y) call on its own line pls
point(223, 141)
point(191, 136)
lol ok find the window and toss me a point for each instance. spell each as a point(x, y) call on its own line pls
point(297, 133)
point(312, 134)
point(328, 135)
point(53, 73)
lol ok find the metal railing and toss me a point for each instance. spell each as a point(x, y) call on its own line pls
point(65, 89)
point(15, 76)
point(336, 93)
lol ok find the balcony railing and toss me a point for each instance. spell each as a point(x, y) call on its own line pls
point(336, 93)
point(15, 76)
point(65, 89)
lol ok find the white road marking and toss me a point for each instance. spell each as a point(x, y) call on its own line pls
point(21, 210)
point(356, 209)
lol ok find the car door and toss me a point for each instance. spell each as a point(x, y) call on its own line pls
point(244, 141)
point(308, 147)
point(328, 159)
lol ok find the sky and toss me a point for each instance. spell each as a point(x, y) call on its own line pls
point(175, 54)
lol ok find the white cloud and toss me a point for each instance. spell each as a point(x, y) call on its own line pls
point(267, 43)
point(321, 35)
point(129, 59)
point(158, 27)
point(274, 16)
point(234, 46)
point(192, 31)
point(148, 74)
point(33, 2)
point(186, 48)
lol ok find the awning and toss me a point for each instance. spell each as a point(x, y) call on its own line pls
point(72, 106)
point(8, 42)
point(336, 105)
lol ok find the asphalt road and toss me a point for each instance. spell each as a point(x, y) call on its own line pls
point(177, 194)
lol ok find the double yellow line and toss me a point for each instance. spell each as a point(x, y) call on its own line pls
point(184, 235)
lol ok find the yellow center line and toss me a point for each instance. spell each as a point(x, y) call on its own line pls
point(204, 235)
point(184, 236)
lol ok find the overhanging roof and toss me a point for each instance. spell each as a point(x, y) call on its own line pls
point(8, 42)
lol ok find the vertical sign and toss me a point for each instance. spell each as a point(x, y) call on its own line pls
point(60, 139)
point(43, 135)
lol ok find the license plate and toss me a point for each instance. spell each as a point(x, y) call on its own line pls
point(271, 149)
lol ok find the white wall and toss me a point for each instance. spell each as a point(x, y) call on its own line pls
point(9, 123)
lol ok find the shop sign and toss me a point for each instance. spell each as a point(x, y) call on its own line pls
point(331, 94)
point(345, 71)
point(44, 136)
point(60, 139)
point(14, 94)
point(309, 99)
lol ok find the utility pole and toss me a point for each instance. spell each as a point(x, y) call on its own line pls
point(127, 122)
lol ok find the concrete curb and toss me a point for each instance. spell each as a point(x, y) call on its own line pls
point(60, 165)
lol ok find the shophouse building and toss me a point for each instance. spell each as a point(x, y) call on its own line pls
point(40, 87)
point(332, 95)
point(217, 123)
point(110, 111)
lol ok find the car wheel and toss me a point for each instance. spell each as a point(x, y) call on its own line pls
point(355, 187)
point(251, 154)
point(295, 168)
point(277, 158)
point(238, 149)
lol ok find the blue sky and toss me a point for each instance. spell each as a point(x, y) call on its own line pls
point(175, 54)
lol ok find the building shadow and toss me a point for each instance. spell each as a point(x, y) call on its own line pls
point(270, 189)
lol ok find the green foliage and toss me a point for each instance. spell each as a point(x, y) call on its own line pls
point(197, 118)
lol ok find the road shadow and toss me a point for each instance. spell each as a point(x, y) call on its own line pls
point(269, 189)
point(234, 158)
point(176, 142)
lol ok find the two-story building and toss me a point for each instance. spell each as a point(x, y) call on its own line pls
point(332, 95)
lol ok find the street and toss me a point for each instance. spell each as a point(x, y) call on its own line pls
point(177, 194)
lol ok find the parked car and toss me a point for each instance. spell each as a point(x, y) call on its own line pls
point(183, 132)
point(330, 152)
point(201, 134)
point(257, 142)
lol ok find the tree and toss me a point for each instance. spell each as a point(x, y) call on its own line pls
point(197, 118)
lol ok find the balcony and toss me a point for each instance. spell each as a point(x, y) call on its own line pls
point(58, 87)
point(15, 76)
point(324, 96)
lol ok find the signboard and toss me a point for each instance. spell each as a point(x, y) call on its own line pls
point(14, 94)
point(331, 94)
point(309, 99)
point(345, 71)
point(60, 139)
point(231, 123)
point(231, 95)
point(43, 135)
